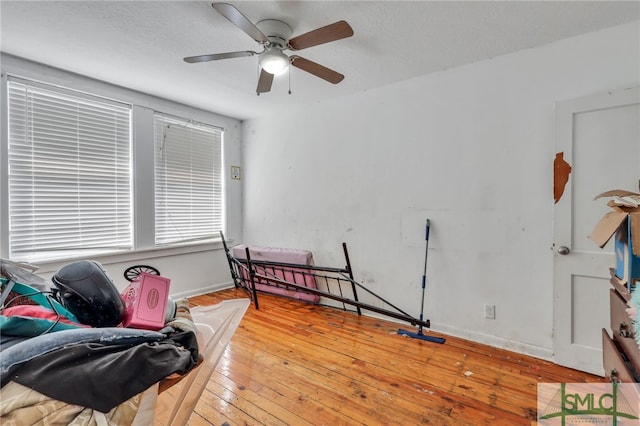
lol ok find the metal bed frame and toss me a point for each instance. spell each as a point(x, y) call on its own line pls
point(334, 284)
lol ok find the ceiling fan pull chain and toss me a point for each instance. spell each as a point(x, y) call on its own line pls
point(289, 72)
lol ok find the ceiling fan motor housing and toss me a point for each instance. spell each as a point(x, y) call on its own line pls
point(277, 32)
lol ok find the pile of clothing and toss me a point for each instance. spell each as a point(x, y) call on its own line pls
point(64, 360)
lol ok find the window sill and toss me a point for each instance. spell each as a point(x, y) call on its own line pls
point(140, 255)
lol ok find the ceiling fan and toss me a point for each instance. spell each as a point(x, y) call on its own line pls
point(274, 36)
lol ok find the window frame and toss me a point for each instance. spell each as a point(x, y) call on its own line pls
point(217, 172)
point(76, 111)
point(144, 106)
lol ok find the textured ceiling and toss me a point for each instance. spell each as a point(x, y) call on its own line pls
point(140, 44)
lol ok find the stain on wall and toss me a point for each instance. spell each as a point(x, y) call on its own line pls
point(561, 172)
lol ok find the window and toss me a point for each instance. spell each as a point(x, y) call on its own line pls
point(188, 181)
point(69, 158)
point(85, 176)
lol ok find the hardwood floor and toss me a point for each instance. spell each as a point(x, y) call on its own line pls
point(293, 363)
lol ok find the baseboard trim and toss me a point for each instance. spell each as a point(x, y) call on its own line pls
point(202, 290)
point(497, 342)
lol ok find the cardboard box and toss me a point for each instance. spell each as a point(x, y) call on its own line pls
point(145, 302)
point(622, 223)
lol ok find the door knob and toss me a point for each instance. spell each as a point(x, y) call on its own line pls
point(563, 250)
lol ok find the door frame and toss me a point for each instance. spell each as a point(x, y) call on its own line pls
point(564, 112)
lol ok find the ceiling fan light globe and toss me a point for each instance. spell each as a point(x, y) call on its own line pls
point(274, 62)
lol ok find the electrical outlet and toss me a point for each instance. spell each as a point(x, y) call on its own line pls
point(490, 311)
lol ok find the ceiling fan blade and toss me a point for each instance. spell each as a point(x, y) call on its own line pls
point(264, 82)
point(316, 69)
point(217, 56)
point(230, 12)
point(332, 32)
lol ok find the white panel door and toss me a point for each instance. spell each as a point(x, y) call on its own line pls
point(600, 138)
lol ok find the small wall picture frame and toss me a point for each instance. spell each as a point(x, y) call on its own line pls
point(235, 172)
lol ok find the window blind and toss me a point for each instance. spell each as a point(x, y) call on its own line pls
point(188, 181)
point(69, 172)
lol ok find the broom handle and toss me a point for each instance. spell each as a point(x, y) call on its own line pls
point(424, 274)
point(426, 237)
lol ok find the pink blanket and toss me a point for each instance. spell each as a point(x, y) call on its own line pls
point(291, 275)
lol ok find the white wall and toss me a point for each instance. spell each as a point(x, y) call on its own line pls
point(192, 269)
point(471, 149)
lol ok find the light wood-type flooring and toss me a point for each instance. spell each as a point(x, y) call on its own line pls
point(294, 363)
